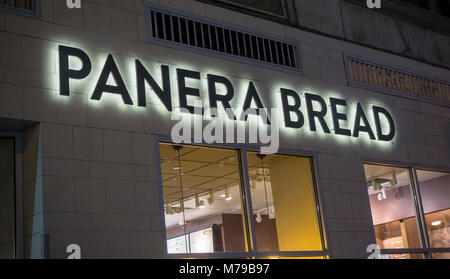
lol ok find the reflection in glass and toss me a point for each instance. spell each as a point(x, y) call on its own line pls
point(284, 204)
point(202, 200)
point(435, 192)
point(441, 256)
point(392, 206)
point(403, 256)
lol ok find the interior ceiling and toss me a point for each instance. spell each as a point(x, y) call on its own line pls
point(402, 175)
point(210, 169)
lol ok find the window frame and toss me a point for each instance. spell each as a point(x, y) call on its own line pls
point(418, 206)
point(232, 3)
point(249, 228)
point(36, 14)
point(18, 192)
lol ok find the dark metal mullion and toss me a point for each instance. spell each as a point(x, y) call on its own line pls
point(247, 199)
point(318, 204)
point(420, 215)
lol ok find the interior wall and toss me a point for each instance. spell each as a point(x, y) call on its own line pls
point(295, 205)
point(398, 204)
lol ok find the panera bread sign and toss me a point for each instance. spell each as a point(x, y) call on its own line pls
point(329, 115)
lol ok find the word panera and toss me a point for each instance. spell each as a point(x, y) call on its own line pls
point(293, 105)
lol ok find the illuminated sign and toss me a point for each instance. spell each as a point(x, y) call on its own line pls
point(311, 107)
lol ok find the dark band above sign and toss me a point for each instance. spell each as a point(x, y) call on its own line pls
point(315, 107)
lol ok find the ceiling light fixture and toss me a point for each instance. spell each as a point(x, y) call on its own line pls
point(211, 198)
point(383, 193)
point(199, 203)
point(393, 181)
point(258, 217)
point(228, 196)
point(436, 223)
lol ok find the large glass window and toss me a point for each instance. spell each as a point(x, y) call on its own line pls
point(202, 200)
point(435, 193)
point(206, 206)
point(405, 210)
point(7, 204)
point(393, 211)
point(283, 202)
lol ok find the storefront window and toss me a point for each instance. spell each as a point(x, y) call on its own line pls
point(202, 200)
point(441, 256)
point(284, 205)
point(435, 192)
point(205, 205)
point(393, 209)
point(415, 256)
point(7, 204)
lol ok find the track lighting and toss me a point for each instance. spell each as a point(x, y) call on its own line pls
point(376, 185)
point(228, 196)
point(393, 181)
point(199, 203)
point(271, 212)
point(258, 217)
point(436, 223)
point(211, 198)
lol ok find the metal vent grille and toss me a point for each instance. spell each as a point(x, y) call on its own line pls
point(396, 81)
point(183, 30)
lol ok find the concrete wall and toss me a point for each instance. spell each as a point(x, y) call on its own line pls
point(91, 169)
point(382, 29)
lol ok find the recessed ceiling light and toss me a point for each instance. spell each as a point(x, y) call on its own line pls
point(436, 223)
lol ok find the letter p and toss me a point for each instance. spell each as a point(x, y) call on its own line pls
point(65, 74)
